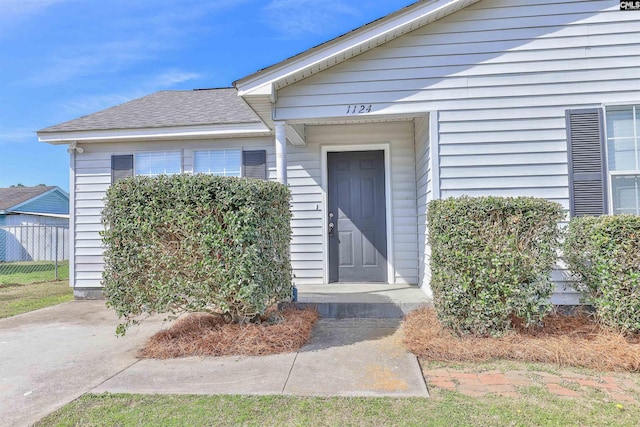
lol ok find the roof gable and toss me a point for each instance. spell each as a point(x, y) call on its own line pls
point(52, 202)
point(349, 45)
point(14, 197)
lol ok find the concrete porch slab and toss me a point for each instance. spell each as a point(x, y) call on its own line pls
point(361, 300)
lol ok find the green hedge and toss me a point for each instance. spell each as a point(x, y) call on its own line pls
point(604, 254)
point(491, 259)
point(196, 243)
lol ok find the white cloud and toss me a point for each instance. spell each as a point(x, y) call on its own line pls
point(90, 104)
point(16, 135)
point(173, 77)
point(84, 60)
point(139, 34)
point(14, 11)
point(297, 17)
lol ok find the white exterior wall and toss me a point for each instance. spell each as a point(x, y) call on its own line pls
point(500, 75)
point(93, 177)
point(309, 218)
point(34, 242)
point(27, 219)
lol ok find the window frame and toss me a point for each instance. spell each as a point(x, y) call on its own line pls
point(240, 151)
point(624, 173)
point(135, 162)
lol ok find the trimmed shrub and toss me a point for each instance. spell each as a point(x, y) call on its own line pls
point(604, 255)
point(196, 243)
point(491, 259)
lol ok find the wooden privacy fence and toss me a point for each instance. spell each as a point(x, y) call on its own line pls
point(34, 243)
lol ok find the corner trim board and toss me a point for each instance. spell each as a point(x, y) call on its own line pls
point(434, 152)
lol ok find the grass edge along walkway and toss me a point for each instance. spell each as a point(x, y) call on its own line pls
point(18, 299)
point(444, 408)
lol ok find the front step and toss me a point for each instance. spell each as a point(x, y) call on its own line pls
point(337, 310)
point(361, 300)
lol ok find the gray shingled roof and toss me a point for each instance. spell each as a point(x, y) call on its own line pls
point(10, 197)
point(167, 109)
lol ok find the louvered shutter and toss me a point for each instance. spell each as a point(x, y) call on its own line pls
point(121, 167)
point(587, 167)
point(254, 164)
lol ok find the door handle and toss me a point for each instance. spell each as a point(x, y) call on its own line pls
point(331, 224)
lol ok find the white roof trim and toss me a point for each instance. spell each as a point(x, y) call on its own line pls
point(243, 129)
point(64, 216)
point(349, 45)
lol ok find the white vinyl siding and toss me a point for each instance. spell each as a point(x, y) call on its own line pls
point(304, 172)
point(34, 219)
point(218, 162)
point(93, 177)
point(501, 74)
point(623, 158)
point(158, 163)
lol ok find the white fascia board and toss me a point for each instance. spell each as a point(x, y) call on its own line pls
point(263, 81)
point(49, 215)
point(243, 129)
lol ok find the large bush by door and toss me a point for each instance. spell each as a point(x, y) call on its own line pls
point(196, 243)
point(491, 259)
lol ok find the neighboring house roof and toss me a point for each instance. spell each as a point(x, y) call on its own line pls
point(21, 199)
point(167, 109)
point(13, 196)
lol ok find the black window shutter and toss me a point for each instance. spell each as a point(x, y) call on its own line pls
point(254, 164)
point(121, 167)
point(587, 167)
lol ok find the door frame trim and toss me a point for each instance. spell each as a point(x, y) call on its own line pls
point(386, 148)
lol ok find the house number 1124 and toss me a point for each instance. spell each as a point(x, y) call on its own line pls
point(358, 109)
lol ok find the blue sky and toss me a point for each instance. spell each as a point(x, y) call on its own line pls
point(62, 59)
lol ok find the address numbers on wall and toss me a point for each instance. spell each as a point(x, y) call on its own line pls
point(358, 109)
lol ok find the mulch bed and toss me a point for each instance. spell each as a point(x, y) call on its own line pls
point(575, 340)
point(209, 335)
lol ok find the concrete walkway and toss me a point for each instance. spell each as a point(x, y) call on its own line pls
point(52, 356)
point(350, 357)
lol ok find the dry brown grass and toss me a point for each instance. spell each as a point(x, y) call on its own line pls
point(564, 340)
point(208, 335)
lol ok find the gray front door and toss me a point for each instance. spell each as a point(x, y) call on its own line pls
point(357, 217)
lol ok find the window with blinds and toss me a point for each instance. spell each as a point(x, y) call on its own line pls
point(218, 162)
point(623, 158)
point(158, 163)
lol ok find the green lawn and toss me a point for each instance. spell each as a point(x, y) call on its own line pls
point(32, 272)
point(16, 299)
point(535, 408)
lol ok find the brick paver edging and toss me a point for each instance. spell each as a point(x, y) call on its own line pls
point(566, 385)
